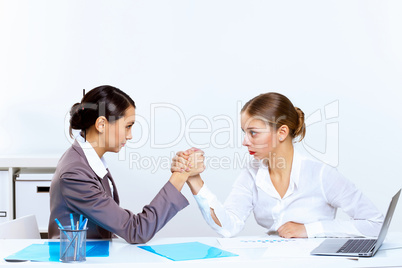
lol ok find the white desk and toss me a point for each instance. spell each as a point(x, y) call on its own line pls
point(125, 255)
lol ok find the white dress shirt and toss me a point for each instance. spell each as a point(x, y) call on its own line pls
point(98, 165)
point(315, 192)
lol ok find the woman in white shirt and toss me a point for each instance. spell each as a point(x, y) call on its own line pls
point(288, 193)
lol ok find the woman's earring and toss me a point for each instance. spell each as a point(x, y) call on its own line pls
point(280, 138)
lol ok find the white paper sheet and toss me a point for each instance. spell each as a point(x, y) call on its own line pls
point(252, 242)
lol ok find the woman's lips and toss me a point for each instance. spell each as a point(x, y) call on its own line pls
point(251, 152)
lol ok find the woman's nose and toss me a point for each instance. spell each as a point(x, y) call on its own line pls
point(129, 136)
point(246, 142)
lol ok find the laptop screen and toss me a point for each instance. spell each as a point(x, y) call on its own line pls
point(387, 221)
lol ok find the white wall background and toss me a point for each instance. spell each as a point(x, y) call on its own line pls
point(204, 59)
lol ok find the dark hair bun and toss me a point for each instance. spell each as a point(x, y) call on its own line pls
point(75, 116)
point(79, 115)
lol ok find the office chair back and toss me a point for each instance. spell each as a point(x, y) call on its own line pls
point(22, 228)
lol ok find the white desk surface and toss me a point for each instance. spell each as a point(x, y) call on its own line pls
point(128, 255)
point(26, 161)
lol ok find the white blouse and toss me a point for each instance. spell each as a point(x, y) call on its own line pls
point(315, 192)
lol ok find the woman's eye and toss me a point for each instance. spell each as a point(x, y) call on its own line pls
point(252, 133)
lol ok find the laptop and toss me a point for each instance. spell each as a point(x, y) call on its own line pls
point(358, 247)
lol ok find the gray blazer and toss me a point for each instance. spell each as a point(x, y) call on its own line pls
point(77, 189)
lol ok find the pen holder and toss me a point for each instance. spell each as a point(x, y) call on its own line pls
point(73, 245)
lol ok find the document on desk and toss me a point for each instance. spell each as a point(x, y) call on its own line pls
point(187, 251)
point(50, 252)
point(252, 242)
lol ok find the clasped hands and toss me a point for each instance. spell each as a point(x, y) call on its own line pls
point(190, 161)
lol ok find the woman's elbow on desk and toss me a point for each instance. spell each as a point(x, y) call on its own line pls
point(138, 234)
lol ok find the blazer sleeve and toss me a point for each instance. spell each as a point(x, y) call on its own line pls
point(85, 195)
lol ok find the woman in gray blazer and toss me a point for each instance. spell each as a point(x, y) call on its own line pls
point(83, 185)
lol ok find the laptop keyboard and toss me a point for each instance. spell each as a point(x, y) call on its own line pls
point(357, 246)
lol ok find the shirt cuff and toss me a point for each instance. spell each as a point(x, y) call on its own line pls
point(314, 229)
point(205, 194)
point(203, 198)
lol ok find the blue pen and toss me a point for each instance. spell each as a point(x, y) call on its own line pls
point(72, 221)
point(62, 228)
point(59, 224)
point(81, 217)
point(83, 224)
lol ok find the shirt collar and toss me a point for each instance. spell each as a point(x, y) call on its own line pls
point(263, 178)
point(97, 164)
point(295, 172)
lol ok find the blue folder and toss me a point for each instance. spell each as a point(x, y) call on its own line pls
point(50, 251)
point(187, 251)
